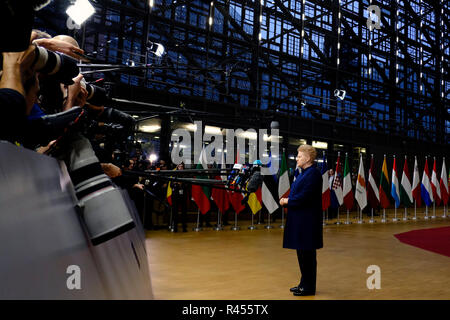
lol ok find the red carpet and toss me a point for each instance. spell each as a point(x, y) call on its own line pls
point(435, 240)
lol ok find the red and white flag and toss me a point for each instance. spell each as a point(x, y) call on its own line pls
point(337, 182)
point(416, 184)
point(435, 188)
point(360, 192)
point(373, 195)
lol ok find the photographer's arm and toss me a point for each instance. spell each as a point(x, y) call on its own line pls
point(111, 170)
point(76, 94)
point(60, 46)
point(11, 77)
point(17, 68)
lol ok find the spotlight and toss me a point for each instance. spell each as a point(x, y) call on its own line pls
point(80, 11)
point(340, 94)
point(303, 103)
point(156, 48)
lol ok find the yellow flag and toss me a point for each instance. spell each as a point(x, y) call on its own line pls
point(169, 192)
point(254, 201)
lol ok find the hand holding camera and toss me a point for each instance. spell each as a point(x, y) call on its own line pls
point(61, 46)
point(76, 94)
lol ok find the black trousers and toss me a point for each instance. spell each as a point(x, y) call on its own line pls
point(308, 267)
point(179, 200)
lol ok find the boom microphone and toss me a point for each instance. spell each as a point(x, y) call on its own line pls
point(255, 180)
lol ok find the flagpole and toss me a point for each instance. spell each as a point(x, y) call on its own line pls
point(426, 212)
point(384, 220)
point(434, 210)
point(395, 213)
point(360, 220)
point(323, 219)
point(405, 218)
point(171, 227)
point(348, 218)
point(371, 217)
point(219, 225)
point(252, 227)
point(259, 217)
point(268, 221)
point(415, 210)
point(327, 215)
point(197, 229)
point(236, 227)
point(444, 215)
point(338, 222)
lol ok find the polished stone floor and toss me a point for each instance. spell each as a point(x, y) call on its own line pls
point(251, 264)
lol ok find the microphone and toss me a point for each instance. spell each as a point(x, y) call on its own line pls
point(255, 181)
point(245, 176)
point(234, 174)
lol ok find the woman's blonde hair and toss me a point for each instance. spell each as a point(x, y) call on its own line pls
point(309, 150)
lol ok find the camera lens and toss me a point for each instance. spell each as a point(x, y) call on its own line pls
point(56, 65)
point(96, 95)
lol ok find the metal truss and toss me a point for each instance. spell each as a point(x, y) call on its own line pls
point(285, 59)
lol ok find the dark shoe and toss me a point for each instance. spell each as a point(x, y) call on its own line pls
point(293, 289)
point(302, 292)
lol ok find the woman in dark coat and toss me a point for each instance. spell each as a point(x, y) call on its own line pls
point(303, 231)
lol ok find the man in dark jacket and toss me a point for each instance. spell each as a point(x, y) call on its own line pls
point(303, 231)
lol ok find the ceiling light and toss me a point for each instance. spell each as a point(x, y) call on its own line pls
point(80, 11)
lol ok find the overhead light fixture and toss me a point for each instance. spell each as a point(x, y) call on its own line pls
point(150, 128)
point(191, 127)
point(156, 48)
point(320, 145)
point(340, 94)
point(80, 11)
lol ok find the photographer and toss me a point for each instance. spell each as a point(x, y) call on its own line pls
point(59, 97)
point(56, 96)
point(18, 86)
point(179, 198)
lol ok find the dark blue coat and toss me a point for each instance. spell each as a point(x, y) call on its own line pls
point(303, 228)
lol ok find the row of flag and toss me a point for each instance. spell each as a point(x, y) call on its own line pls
point(274, 187)
point(339, 190)
point(336, 190)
